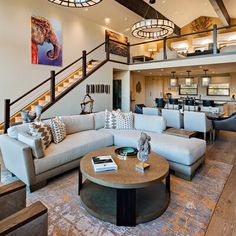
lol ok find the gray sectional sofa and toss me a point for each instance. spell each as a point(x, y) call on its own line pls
point(86, 133)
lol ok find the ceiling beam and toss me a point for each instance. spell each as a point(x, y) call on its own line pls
point(221, 11)
point(146, 11)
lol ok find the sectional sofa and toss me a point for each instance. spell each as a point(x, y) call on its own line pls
point(86, 133)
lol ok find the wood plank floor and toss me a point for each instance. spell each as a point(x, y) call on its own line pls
point(223, 222)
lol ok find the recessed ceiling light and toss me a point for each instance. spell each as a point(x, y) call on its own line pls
point(162, 69)
point(139, 71)
point(150, 73)
point(125, 19)
point(107, 20)
point(200, 67)
point(164, 1)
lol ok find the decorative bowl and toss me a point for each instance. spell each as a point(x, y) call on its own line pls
point(129, 151)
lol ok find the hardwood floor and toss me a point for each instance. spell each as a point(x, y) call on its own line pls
point(223, 222)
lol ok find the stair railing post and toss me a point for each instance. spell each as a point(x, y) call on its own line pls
point(164, 49)
point(52, 86)
point(6, 114)
point(84, 64)
point(128, 53)
point(214, 39)
point(107, 45)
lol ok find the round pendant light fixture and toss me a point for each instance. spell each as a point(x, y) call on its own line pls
point(153, 28)
point(76, 3)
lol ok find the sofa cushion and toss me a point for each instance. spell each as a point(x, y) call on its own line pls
point(149, 123)
point(74, 146)
point(111, 119)
point(78, 123)
point(176, 149)
point(35, 143)
point(13, 131)
point(99, 120)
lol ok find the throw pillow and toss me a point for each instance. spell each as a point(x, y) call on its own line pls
point(58, 130)
point(125, 120)
point(41, 130)
point(35, 143)
point(111, 119)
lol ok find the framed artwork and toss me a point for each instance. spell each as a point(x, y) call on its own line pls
point(46, 41)
point(116, 48)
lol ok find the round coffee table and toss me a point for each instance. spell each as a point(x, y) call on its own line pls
point(125, 197)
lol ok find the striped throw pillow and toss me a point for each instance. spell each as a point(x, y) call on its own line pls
point(111, 119)
point(41, 130)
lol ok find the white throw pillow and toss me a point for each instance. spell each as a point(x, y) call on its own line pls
point(111, 119)
point(58, 129)
point(35, 143)
point(125, 120)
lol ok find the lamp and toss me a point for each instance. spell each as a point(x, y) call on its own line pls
point(173, 80)
point(76, 3)
point(152, 49)
point(188, 80)
point(205, 80)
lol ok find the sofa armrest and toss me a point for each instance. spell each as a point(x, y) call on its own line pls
point(18, 159)
point(12, 198)
point(32, 220)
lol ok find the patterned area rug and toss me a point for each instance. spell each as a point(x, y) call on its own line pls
point(189, 213)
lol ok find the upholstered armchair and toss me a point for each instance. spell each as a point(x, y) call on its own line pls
point(227, 123)
point(197, 121)
point(16, 218)
point(173, 118)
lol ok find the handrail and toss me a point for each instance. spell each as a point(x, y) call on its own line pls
point(95, 48)
point(24, 95)
point(112, 40)
point(184, 35)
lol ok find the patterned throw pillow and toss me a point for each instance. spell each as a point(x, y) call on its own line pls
point(125, 120)
point(111, 119)
point(58, 130)
point(41, 130)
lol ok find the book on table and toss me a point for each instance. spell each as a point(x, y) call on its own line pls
point(103, 163)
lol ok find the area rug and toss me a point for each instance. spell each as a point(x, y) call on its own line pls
point(189, 213)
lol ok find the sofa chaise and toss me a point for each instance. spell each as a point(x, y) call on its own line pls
point(86, 133)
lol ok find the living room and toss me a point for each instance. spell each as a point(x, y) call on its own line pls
point(117, 117)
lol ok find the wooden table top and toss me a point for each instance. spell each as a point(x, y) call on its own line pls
point(126, 176)
point(180, 132)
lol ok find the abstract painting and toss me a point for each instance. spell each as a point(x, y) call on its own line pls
point(46, 41)
point(116, 48)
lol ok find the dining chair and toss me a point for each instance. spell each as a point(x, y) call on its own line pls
point(173, 118)
point(150, 111)
point(197, 121)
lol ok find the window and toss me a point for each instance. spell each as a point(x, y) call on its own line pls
point(188, 90)
point(218, 90)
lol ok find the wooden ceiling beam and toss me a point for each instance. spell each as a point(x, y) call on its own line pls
point(221, 11)
point(145, 10)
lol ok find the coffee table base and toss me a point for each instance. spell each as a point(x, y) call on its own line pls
point(125, 207)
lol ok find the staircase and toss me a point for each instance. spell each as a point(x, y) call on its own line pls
point(81, 69)
point(45, 99)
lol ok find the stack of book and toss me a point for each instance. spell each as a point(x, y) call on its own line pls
point(103, 163)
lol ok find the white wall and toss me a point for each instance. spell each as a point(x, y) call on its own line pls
point(17, 74)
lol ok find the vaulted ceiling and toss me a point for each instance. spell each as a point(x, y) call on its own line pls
point(181, 12)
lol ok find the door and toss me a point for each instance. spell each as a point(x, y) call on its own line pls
point(117, 94)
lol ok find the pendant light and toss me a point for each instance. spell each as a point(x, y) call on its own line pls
point(206, 79)
point(76, 3)
point(188, 79)
point(154, 28)
point(173, 80)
